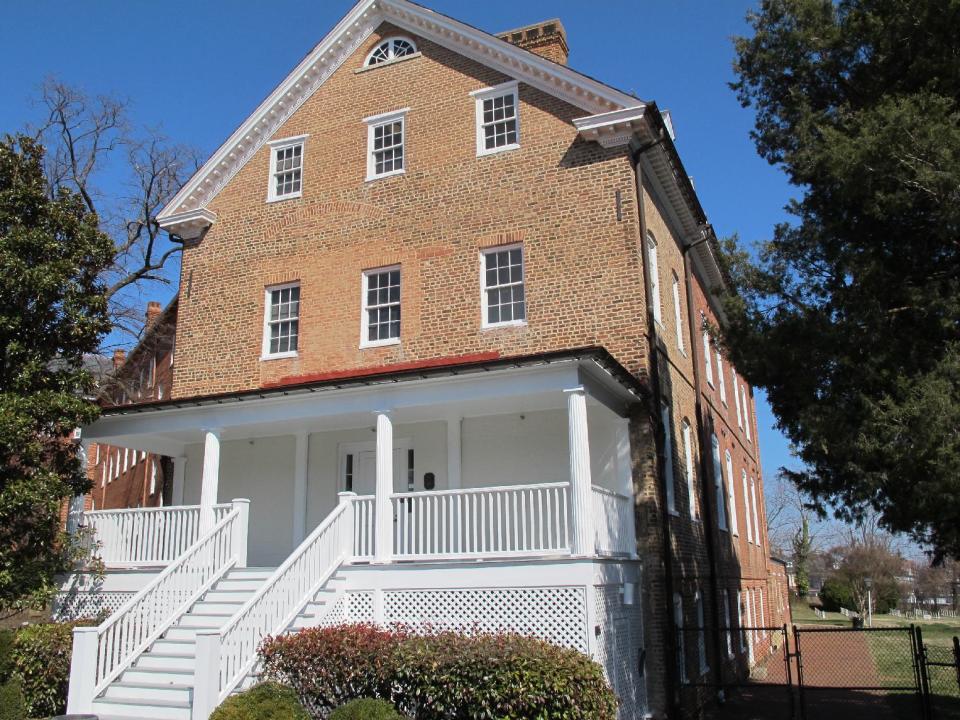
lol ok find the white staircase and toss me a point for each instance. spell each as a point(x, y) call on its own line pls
point(159, 684)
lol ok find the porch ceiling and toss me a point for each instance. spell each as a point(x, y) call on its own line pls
point(490, 389)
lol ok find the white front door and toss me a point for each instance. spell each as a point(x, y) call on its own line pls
point(359, 470)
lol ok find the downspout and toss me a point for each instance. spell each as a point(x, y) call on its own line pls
point(656, 395)
point(706, 469)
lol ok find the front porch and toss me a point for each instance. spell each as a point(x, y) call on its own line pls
point(531, 460)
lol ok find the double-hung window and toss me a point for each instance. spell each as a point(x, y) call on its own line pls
point(707, 360)
point(665, 417)
point(731, 496)
point(498, 118)
point(701, 633)
point(503, 297)
point(286, 168)
point(746, 504)
point(746, 411)
point(678, 624)
point(281, 325)
point(687, 434)
point(756, 516)
point(720, 380)
point(736, 397)
point(385, 144)
point(719, 494)
point(678, 313)
point(381, 307)
point(653, 270)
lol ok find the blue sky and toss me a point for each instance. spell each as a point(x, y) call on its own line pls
point(195, 70)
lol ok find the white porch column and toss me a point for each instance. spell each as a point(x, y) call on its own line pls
point(300, 460)
point(179, 478)
point(454, 453)
point(625, 480)
point(75, 511)
point(581, 484)
point(211, 478)
point(383, 515)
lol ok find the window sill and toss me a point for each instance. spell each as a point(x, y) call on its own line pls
point(279, 356)
point(497, 326)
point(292, 196)
point(673, 513)
point(392, 173)
point(387, 63)
point(379, 343)
point(496, 151)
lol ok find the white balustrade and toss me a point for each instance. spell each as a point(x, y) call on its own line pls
point(482, 522)
point(146, 536)
point(101, 653)
point(226, 656)
point(612, 529)
point(363, 527)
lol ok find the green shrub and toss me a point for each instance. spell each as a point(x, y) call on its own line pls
point(12, 706)
point(6, 653)
point(440, 676)
point(41, 661)
point(330, 666)
point(266, 701)
point(366, 709)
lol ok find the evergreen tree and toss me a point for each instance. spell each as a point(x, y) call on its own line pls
point(850, 316)
point(52, 312)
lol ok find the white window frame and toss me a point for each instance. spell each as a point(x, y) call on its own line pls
point(731, 494)
point(720, 380)
point(719, 492)
point(507, 88)
point(687, 434)
point(364, 307)
point(484, 323)
point(746, 504)
point(283, 144)
point(391, 52)
point(736, 397)
point(707, 360)
point(740, 625)
point(678, 623)
point(678, 313)
point(756, 516)
point(701, 633)
point(153, 476)
point(746, 412)
point(265, 353)
point(375, 121)
point(729, 622)
point(669, 478)
point(653, 269)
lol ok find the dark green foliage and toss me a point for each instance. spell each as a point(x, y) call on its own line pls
point(6, 654)
point(366, 709)
point(850, 316)
point(440, 676)
point(12, 706)
point(52, 312)
point(836, 594)
point(41, 663)
point(266, 701)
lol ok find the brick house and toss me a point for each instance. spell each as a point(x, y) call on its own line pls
point(441, 329)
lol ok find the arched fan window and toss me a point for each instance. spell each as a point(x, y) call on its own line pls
point(391, 49)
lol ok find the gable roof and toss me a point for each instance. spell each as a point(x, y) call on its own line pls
point(187, 210)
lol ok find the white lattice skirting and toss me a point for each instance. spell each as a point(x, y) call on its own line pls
point(79, 605)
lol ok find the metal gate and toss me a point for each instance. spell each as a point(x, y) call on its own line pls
point(940, 678)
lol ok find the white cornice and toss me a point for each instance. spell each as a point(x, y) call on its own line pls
point(188, 224)
point(349, 34)
point(614, 128)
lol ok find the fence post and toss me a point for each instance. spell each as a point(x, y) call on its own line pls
point(83, 670)
point(240, 529)
point(349, 523)
point(206, 674)
point(956, 659)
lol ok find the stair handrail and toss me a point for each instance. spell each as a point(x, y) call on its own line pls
point(227, 655)
point(103, 652)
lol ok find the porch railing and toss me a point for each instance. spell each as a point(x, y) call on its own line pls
point(225, 657)
point(612, 526)
point(482, 522)
point(146, 536)
point(101, 653)
point(363, 527)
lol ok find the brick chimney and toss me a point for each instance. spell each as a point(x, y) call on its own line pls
point(547, 39)
point(119, 358)
point(153, 312)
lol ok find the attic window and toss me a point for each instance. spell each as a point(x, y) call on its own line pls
point(391, 49)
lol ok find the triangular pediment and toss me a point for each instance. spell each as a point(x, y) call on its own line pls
point(187, 210)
